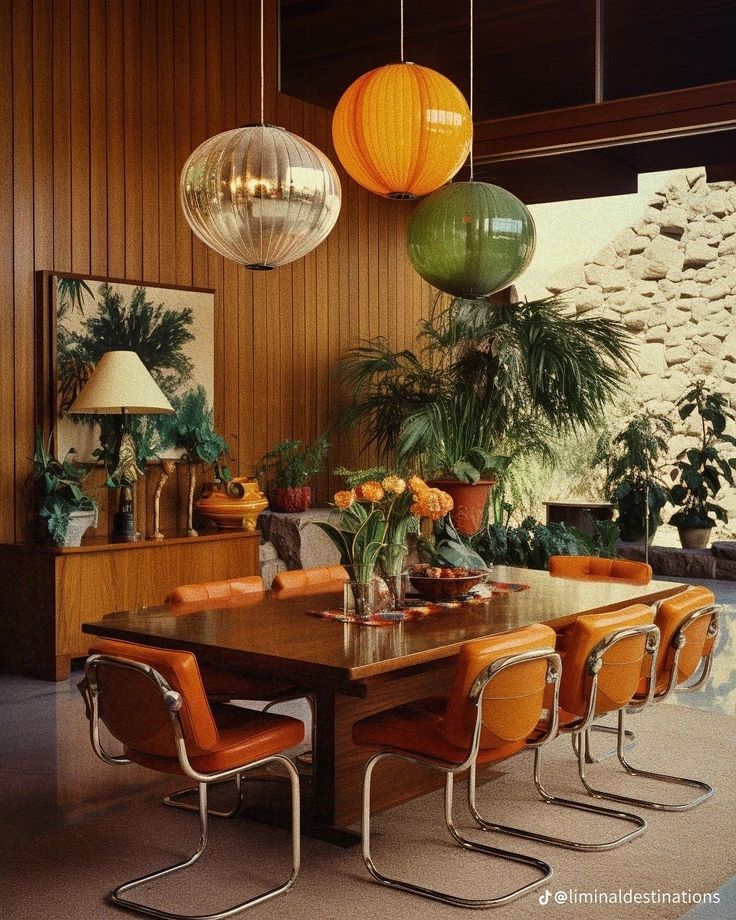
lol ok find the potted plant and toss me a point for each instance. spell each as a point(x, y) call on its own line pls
point(192, 429)
point(492, 382)
point(67, 510)
point(633, 460)
point(700, 471)
point(291, 466)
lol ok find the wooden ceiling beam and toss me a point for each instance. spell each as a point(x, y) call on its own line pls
point(677, 113)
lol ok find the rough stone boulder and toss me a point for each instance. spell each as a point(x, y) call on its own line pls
point(297, 541)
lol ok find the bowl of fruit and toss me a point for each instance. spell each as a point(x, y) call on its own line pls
point(444, 583)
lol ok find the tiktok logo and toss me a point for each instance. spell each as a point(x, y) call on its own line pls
point(544, 898)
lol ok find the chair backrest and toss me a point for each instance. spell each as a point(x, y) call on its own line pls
point(512, 701)
point(596, 568)
point(131, 704)
point(302, 582)
point(232, 592)
point(698, 644)
point(622, 663)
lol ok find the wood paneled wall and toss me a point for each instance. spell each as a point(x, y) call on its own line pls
point(101, 102)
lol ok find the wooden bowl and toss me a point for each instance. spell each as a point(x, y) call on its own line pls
point(445, 589)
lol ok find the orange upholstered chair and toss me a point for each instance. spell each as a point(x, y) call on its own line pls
point(688, 625)
point(233, 592)
point(220, 684)
point(492, 712)
point(154, 703)
point(601, 671)
point(303, 582)
point(594, 568)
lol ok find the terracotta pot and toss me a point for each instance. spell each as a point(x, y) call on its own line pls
point(234, 508)
point(291, 500)
point(694, 537)
point(469, 502)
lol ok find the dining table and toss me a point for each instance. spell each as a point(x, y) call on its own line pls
point(352, 670)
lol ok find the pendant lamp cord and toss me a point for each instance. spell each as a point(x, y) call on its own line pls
point(262, 70)
point(471, 88)
point(401, 28)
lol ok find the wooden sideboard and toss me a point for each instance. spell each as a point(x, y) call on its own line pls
point(47, 592)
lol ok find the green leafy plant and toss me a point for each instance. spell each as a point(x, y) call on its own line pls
point(701, 471)
point(528, 545)
point(633, 461)
point(191, 428)
point(58, 487)
point(359, 537)
point(490, 382)
point(290, 465)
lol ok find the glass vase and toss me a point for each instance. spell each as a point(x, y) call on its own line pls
point(360, 598)
point(392, 572)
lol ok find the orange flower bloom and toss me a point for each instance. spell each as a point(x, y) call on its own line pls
point(344, 499)
point(394, 484)
point(431, 503)
point(370, 491)
point(417, 484)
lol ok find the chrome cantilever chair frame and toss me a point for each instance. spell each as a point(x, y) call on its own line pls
point(174, 799)
point(579, 729)
point(677, 642)
point(475, 699)
point(173, 702)
point(631, 741)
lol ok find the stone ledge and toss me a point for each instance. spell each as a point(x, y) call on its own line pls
point(677, 562)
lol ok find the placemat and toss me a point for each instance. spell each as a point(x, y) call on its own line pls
point(419, 611)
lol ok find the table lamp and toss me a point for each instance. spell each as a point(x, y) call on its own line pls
point(121, 385)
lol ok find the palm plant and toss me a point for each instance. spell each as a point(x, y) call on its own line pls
point(157, 334)
point(491, 381)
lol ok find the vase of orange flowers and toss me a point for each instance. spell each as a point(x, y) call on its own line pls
point(376, 517)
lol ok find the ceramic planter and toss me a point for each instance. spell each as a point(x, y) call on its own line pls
point(234, 508)
point(469, 502)
point(291, 500)
point(79, 521)
point(694, 537)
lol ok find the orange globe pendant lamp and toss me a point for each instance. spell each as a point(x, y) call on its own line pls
point(402, 130)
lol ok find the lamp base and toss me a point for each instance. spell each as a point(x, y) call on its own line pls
point(123, 522)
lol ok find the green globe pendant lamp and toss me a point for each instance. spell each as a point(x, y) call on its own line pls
point(471, 239)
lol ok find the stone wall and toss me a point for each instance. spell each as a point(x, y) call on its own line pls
point(670, 278)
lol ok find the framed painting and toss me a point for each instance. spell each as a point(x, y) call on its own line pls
point(82, 317)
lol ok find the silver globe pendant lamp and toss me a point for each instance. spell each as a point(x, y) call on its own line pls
point(470, 239)
point(260, 195)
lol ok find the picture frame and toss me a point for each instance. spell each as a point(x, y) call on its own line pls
point(81, 316)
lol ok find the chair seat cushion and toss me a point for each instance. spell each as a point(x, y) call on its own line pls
point(245, 736)
point(416, 728)
point(228, 685)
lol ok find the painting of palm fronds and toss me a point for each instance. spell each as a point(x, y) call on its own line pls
point(171, 330)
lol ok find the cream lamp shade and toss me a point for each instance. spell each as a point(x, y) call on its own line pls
point(121, 384)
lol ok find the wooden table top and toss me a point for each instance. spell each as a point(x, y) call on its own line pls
point(271, 635)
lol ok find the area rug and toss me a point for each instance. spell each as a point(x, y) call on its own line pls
point(61, 869)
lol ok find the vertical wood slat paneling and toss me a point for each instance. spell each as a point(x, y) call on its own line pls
point(79, 108)
point(23, 230)
point(100, 105)
point(7, 372)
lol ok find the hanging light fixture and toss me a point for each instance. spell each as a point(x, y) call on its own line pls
point(260, 195)
point(402, 130)
point(471, 239)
